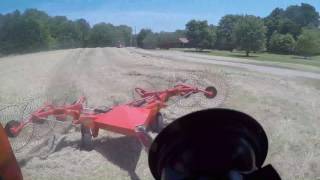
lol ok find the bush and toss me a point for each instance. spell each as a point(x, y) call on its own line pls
point(308, 43)
point(282, 43)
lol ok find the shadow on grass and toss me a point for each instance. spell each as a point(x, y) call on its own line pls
point(302, 58)
point(123, 152)
point(230, 54)
point(242, 56)
point(197, 51)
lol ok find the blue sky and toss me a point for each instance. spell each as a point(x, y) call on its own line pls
point(167, 15)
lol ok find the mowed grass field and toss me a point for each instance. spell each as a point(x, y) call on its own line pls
point(313, 61)
point(262, 56)
point(285, 102)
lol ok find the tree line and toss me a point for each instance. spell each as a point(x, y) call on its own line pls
point(150, 40)
point(34, 30)
point(294, 30)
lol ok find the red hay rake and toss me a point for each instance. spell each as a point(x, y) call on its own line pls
point(133, 119)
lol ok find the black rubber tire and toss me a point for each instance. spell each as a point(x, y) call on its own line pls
point(158, 124)
point(9, 125)
point(86, 139)
point(213, 90)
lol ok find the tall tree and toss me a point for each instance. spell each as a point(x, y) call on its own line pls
point(36, 15)
point(83, 29)
point(272, 22)
point(35, 30)
point(287, 26)
point(249, 34)
point(142, 35)
point(169, 39)
point(303, 15)
point(224, 32)
point(123, 34)
point(200, 34)
point(19, 34)
point(151, 41)
point(101, 35)
point(64, 32)
point(291, 20)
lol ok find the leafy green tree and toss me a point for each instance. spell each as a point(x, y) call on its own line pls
point(169, 39)
point(43, 19)
point(200, 34)
point(124, 34)
point(225, 30)
point(287, 26)
point(308, 43)
point(101, 35)
point(212, 36)
point(273, 21)
point(64, 32)
point(7, 22)
point(2, 22)
point(82, 28)
point(303, 15)
point(35, 30)
point(121, 34)
point(278, 22)
point(291, 20)
point(36, 15)
point(249, 34)
point(180, 33)
point(142, 35)
point(151, 41)
point(282, 43)
point(20, 34)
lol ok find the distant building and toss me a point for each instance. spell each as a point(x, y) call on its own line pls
point(183, 41)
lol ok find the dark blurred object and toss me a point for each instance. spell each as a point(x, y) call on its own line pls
point(9, 169)
point(211, 144)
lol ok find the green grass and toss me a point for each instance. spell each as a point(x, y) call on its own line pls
point(267, 57)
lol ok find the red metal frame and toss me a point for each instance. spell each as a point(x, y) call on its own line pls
point(128, 119)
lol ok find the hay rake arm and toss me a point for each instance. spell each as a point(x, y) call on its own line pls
point(134, 118)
